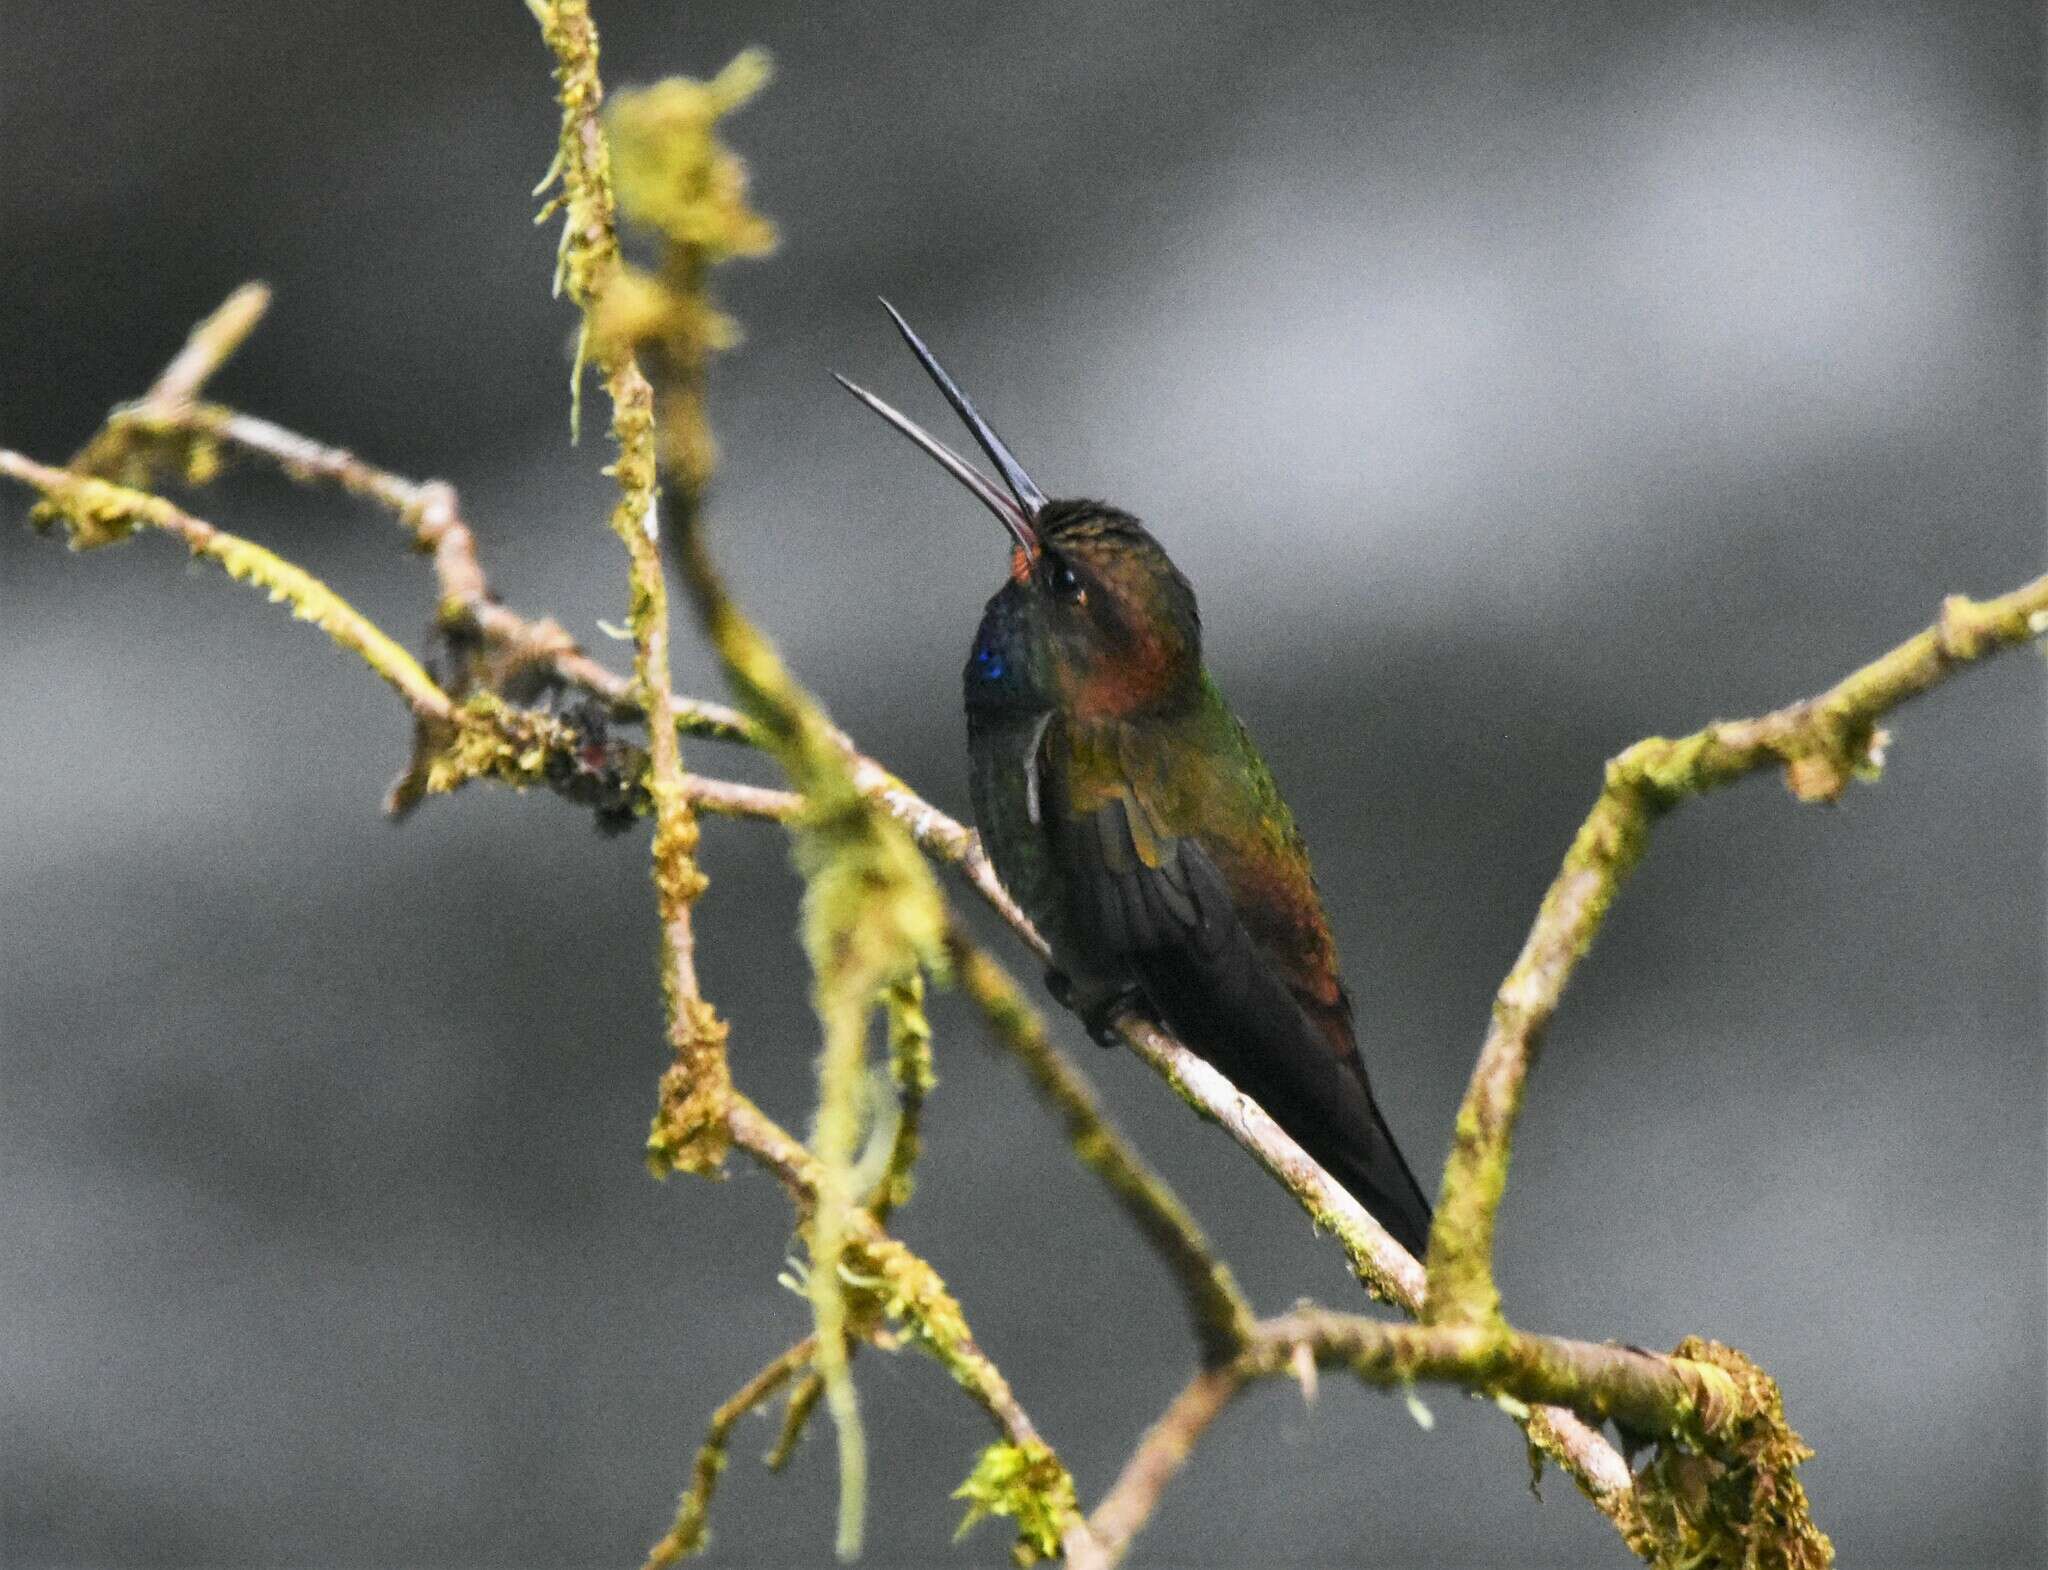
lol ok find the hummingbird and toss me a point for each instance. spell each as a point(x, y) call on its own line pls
point(1127, 811)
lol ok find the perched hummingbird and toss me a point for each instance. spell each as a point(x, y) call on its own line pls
point(1126, 809)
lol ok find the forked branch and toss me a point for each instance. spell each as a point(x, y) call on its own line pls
point(1822, 742)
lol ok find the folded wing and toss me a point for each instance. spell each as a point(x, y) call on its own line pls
point(1225, 939)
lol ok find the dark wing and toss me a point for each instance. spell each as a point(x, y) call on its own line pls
point(1003, 778)
point(1200, 944)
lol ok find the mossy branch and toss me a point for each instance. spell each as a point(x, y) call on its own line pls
point(1822, 743)
point(114, 453)
point(168, 436)
point(97, 512)
point(891, 1285)
point(912, 1072)
point(902, 1288)
point(691, 1127)
point(1704, 1403)
point(1386, 1270)
point(1221, 1317)
point(803, 1401)
point(872, 920)
point(209, 346)
point(181, 436)
point(198, 437)
point(910, 1067)
point(871, 912)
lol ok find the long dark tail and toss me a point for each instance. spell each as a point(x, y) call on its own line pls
point(1327, 1106)
point(1302, 1067)
point(1360, 1153)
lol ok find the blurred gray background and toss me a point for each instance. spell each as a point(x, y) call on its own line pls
point(1512, 381)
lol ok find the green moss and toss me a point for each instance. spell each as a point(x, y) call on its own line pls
point(871, 918)
point(676, 179)
point(1727, 1493)
point(689, 1128)
point(1027, 1484)
point(690, 1131)
point(673, 174)
point(912, 1071)
point(96, 512)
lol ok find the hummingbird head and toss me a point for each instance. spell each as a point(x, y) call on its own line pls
point(1094, 619)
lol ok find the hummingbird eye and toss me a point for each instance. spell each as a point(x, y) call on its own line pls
point(1063, 580)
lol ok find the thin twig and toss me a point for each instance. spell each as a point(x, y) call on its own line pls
point(731, 799)
point(98, 511)
point(911, 1071)
point(431, 513)
point(910, 1060)
point(872, 917)
point(1386, 1269)
point(478, 736)
point(871, 911)
point(909, 1289)
point(1134, 1496)
point(691, 1530)
point(803, 1401)
point(111, 454)
point(1608, 1380)
point(211, 345)
point(429, 509)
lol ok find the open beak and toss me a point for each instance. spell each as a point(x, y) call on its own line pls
point(1019, 509)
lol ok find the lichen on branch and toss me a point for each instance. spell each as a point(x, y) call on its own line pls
point(1822, 743)
point(895, 1286)
point(675, 178)
point(1027, 1484)
point(1738, 1503)
point(690, 1132)
point(96, 513)
point(872, 922)
point(872, 916)
point(1720, 1489)
point(912, 1072)
point(122, 451)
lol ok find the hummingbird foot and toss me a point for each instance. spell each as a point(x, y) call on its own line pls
point(1099, 1007)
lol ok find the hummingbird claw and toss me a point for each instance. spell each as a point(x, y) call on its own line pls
point(1098, 1011)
